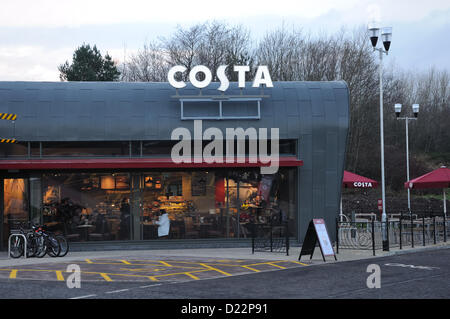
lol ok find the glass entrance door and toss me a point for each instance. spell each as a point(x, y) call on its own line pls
point(15, 205)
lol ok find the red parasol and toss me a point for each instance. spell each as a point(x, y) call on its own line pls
point(439, 178)
point(352, 180)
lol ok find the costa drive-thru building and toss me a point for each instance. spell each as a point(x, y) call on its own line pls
point(93, 160)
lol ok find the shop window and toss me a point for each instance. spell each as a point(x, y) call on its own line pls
point(157, 148)
point(86, 149)
point(221, 108)
point(15, 201)
point(217, 203)
point(88, 207)
point(14, 150)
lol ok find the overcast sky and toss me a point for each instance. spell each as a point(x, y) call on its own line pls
point(38, 35)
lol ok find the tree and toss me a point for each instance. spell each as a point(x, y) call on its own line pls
point(89, 65)
point(211, 44)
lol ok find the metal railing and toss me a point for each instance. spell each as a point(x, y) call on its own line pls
point(273, 237)
point(401, 230)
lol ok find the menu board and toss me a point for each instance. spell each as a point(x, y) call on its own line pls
point(324, 239)
point(317, 232)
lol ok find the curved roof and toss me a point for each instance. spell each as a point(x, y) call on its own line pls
point(96, 111)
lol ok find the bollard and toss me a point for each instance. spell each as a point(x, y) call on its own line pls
point(287, 238)
point(423, 229)
point(337, 236)
point(412, 230)
point(253, 238)
point(271, 237)
point(434, 229)
point(401, 218)
point(445, 229)
point(373, 236)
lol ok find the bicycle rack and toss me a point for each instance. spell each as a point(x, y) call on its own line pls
point(9, 244)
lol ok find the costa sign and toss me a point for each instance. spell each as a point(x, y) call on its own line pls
point(362, 184)
point(262, 76)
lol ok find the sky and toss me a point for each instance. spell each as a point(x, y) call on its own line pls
point(38, 35)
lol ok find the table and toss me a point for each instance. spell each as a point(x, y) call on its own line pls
point(86, 230)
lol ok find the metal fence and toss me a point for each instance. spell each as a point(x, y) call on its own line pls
point(272, 237)
point(401, 230)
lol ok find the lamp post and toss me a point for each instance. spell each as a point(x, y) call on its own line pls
point(386, 36)
point(398, 109)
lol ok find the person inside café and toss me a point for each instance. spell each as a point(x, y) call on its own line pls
point(163, 224)
point(124, 231)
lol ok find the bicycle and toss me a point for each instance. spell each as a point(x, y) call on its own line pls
point(40, 242)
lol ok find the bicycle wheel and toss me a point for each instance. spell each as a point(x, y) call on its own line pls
point(53, 246)
point(16, 246)
point(31, 246)
point(64, 245)
point(41, 247)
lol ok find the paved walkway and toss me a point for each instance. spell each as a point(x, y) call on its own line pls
point(221, 253)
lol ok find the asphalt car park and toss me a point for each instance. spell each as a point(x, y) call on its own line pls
point(148, 270)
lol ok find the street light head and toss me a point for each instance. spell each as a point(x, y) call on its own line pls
point(386, 36)
point(415, 108)
point(398, 109)
point(373, 34)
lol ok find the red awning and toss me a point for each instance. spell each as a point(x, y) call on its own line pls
point(127, 163)
point(439, 178)
point(352, 180)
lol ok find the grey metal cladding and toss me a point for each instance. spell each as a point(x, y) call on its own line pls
point(315, 113)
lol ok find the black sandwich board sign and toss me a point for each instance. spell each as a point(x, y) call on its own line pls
point(317, 232)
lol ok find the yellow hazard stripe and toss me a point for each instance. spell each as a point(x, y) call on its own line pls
point(8, 116)
point(8, 140)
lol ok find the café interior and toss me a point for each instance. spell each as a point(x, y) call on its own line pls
point(107, 206)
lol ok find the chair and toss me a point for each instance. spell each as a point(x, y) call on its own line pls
point(101, 231)
point(189, 231)
point(70, 233)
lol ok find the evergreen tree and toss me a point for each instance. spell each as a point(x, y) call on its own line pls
point(89, 65)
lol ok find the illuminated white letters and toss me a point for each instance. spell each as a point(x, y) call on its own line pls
point(241, 70)
point(262, 76)
point(171, 76)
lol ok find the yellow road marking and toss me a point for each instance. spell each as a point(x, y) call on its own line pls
point(180, 273)
point(192, 276)
point(125, 262)
point(165, 264)
point(215, 269)
point(152, 278)
point(59, 275)
point(142, 269)
point(88, 261)
point(13, 274)
point(250, 268)
point(105, 276)
point(272, 264)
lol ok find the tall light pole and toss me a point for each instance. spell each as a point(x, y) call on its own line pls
point(398, 109)
point(386, 36)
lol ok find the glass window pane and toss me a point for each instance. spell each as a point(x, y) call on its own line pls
point(88, 206)
point(14, 150)
point(85, 149)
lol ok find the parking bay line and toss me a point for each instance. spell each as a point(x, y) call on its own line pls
point(13, 274)
point(116, 291)
point(81, 297)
